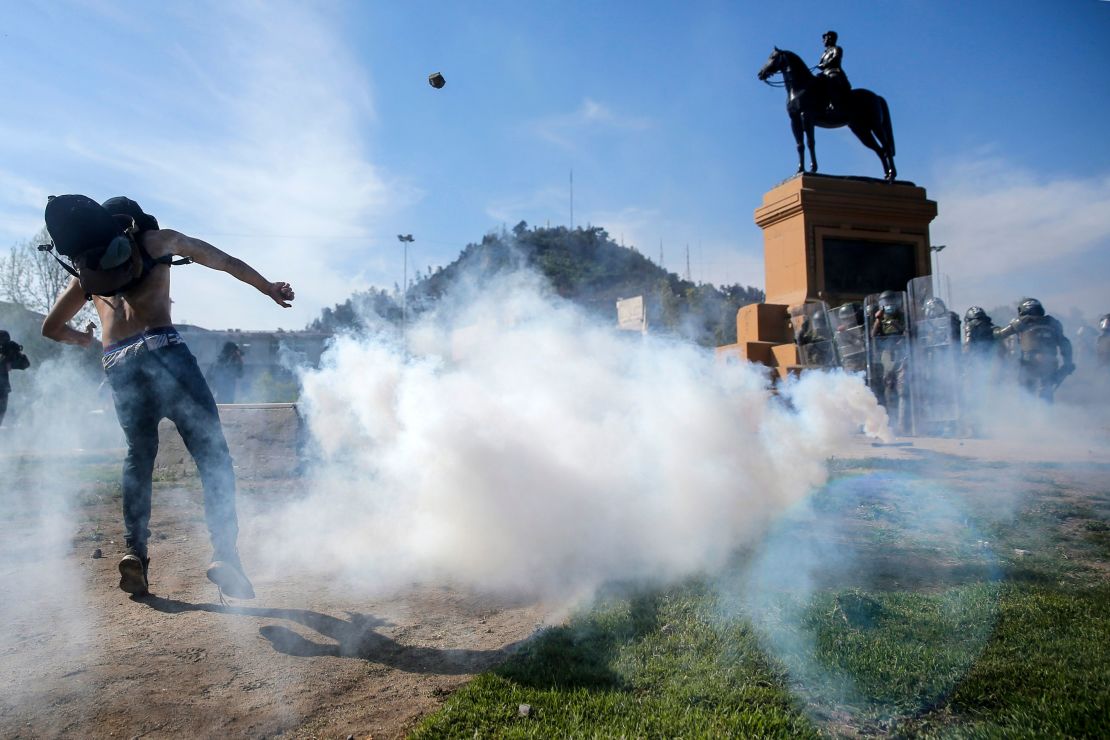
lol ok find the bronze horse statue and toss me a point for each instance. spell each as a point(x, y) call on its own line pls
point(807, 103)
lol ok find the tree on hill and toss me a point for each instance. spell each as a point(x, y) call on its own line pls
point(356, 310)
point(33, 279)
point(583, 265)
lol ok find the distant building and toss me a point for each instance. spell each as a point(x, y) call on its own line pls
point(632, 314)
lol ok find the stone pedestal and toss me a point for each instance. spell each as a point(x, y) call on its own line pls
point(835, 239)
point(840, 239)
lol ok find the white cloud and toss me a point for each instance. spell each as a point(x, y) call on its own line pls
point(591, 117)
point(252, 134)
point(21, 205)
point(1011, 233)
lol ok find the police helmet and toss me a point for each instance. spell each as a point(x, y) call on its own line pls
point(1030, 307)
point(935, 308)
point(848, 312)
point(890, 301)
point(976, 313)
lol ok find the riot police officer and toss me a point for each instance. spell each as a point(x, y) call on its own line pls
point(813, 337)
point(1083, 346)
point(980, 353)
point(948, 331)
point(1040, 337)
point(936, 381)
point(1102, 343)
point(848, 336)
point(979, 339)
point(889, 358)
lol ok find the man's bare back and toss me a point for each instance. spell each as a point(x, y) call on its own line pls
point(148, 304)
point(144, 307)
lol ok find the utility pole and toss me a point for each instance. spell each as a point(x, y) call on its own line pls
point(572, 199)
point(660, 252)
point(405, 240)
point(937, 249)
point(688, 262)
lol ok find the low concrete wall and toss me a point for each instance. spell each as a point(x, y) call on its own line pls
point(265, 440)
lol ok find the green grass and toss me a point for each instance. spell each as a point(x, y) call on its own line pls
point(1044, 673)
point(988, 616)
point(976, 661)
point(656, 664)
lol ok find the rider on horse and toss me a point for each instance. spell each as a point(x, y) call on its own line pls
point(836, 82)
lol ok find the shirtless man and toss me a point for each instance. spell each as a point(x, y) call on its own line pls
point(153, 375)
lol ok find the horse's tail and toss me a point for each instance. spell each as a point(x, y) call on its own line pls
point(888, 127)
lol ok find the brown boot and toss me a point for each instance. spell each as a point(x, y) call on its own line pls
point(133, 573)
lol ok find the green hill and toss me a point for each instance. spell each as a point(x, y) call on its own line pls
point(582, 265)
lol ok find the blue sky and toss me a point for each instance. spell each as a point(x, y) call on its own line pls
point(303, 136)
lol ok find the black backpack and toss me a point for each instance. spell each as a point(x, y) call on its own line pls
point(104, 254)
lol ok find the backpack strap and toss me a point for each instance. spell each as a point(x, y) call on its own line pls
point(66, 266)
point(165, 259)
point(148, 263)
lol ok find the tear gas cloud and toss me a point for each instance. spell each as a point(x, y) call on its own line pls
point(994, 406)
point(520, 446)
point(42, 588)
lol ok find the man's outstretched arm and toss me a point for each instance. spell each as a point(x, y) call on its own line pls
point(56, 324)
point(205, 254)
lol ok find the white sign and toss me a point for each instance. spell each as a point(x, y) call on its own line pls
point(631, 315)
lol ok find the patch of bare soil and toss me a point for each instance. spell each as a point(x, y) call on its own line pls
point(82, 658)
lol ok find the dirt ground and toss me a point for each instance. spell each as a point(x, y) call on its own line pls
point(84, 659)
point(81, 658)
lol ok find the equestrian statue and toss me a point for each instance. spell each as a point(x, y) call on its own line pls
point(828, 100)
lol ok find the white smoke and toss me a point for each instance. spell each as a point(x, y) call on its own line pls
point(518, 445)
point(1009, 421)
point(43, 602)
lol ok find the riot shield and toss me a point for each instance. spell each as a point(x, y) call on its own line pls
point(848, 336)
point(813, 335)
point(888, 356)
point(935, 345)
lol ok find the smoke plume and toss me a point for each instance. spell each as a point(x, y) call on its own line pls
point(43, 602)
point(516, 445)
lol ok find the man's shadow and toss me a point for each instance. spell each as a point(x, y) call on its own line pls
point(354, 638)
